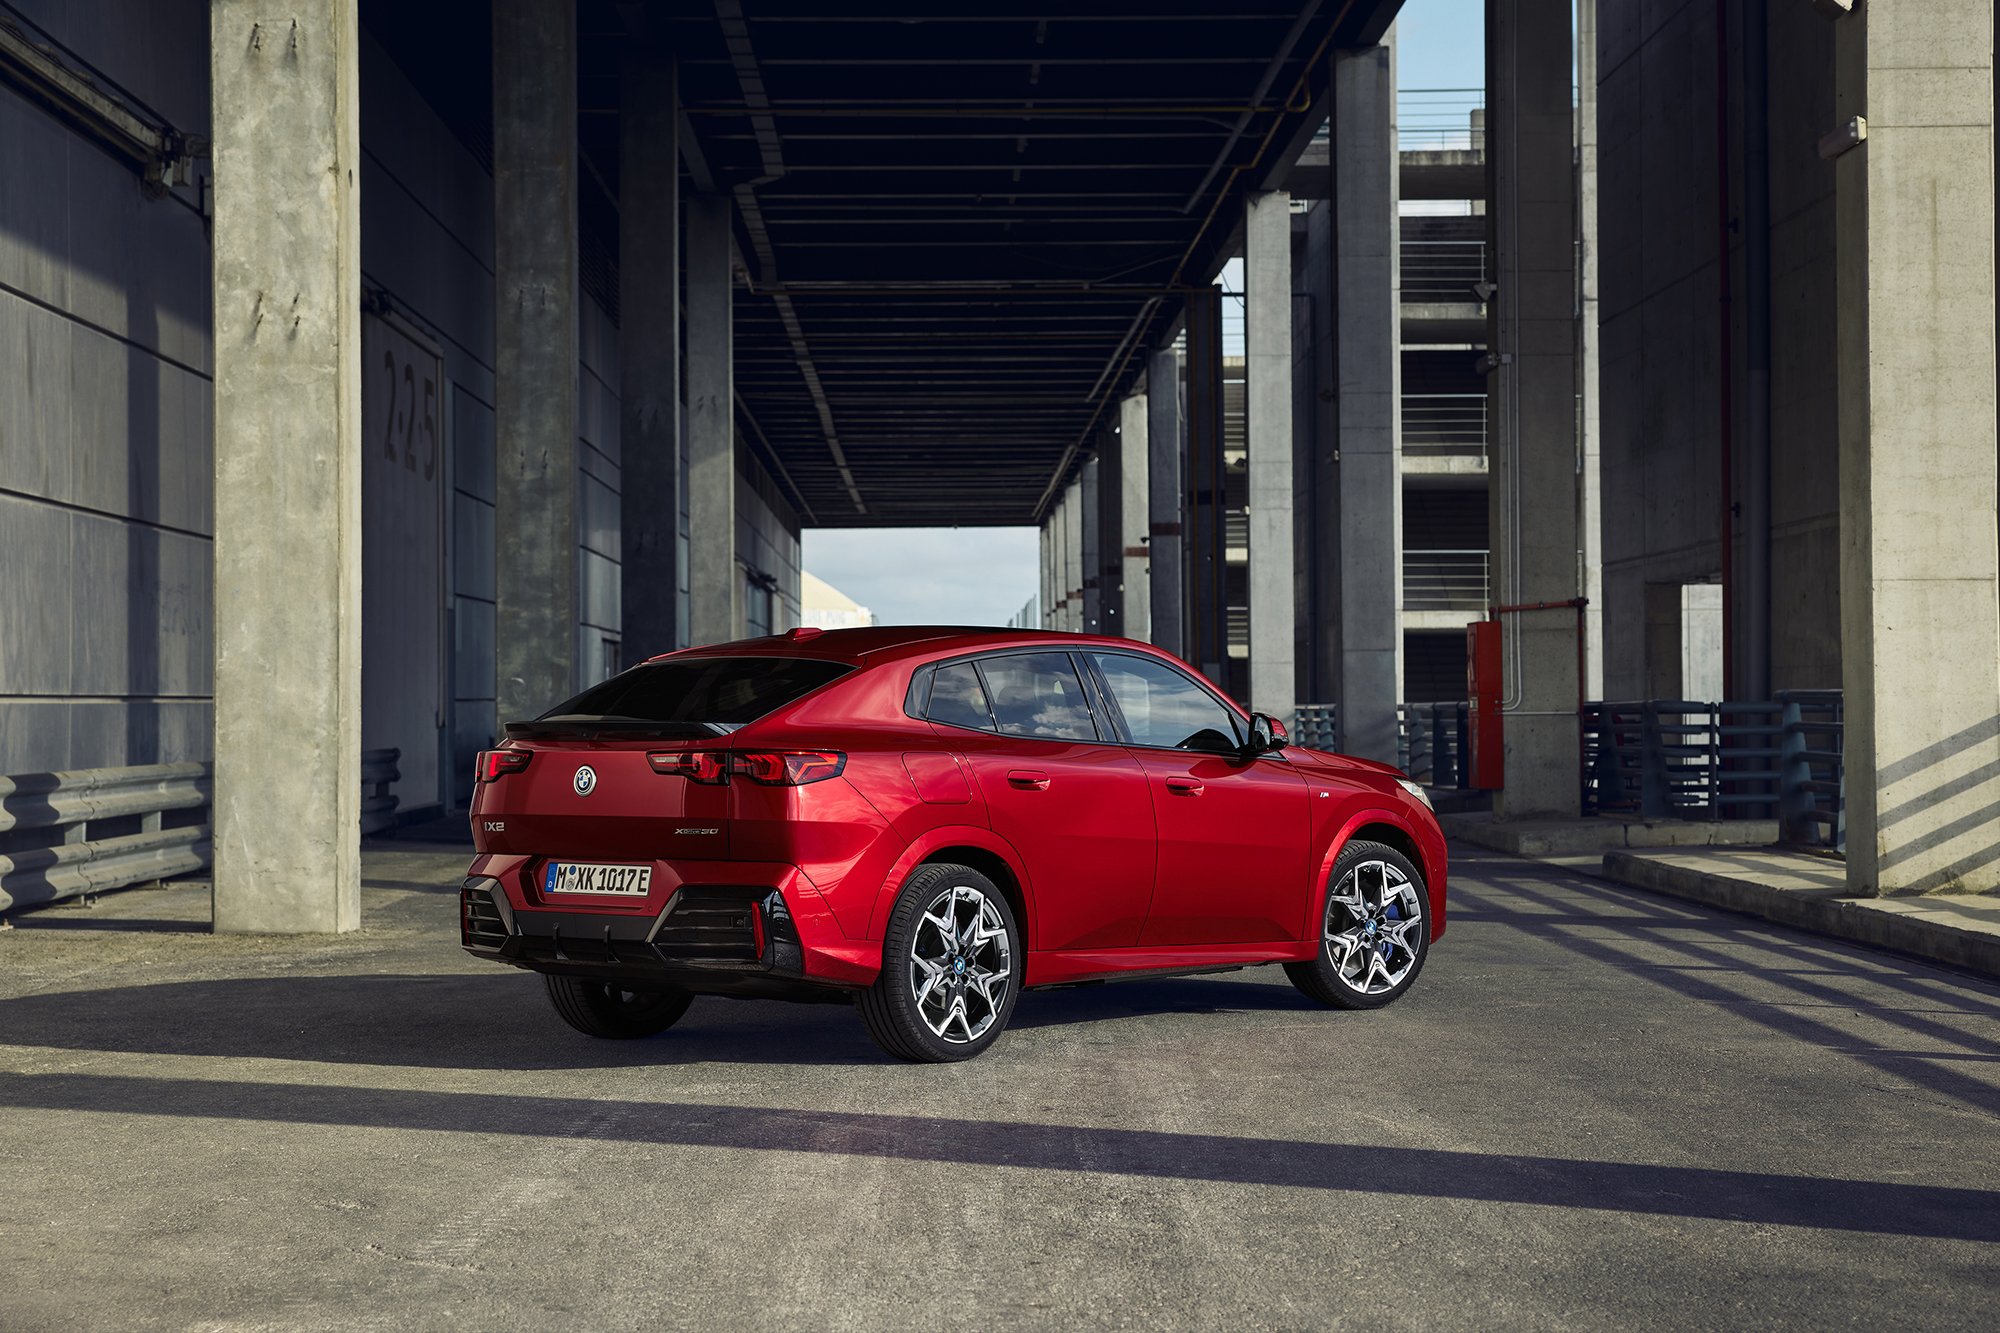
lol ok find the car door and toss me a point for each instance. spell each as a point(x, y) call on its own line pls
point(1059, 787)
point(1233, 832)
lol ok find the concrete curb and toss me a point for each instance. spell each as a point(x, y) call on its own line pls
point(1570, 837)
point(1919, 926)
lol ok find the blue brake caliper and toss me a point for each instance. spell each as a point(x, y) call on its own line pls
point(1392, 914)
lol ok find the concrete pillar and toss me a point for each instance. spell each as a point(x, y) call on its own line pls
point(1134, 498)
point(1163, 498)
point(535, 352)
point(1590, 506)
point(1204, 630)
point(1073, 555)
point(1267, 357)
point(1091, 518)
point(1920, 570)
point(715, 584)
point(1059, 563)
point(287, 276)
point(1368, 333)
point(649, 329)
point(1047, 571)
point(1532, 398)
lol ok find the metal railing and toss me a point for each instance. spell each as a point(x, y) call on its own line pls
point(1430, 742)
point(378, 804)
point(1317, 726)
point(1443, 272)
point(1736, 759)
point(47, 823)
point(1812, 774)
point(1444, 425)
point(1446, 580)
point(77, 833)
point(1434, 118)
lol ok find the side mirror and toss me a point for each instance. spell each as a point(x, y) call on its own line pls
point(1267, 734)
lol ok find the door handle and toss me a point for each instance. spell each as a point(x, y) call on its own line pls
point(1028, 779)
point(1185, 786)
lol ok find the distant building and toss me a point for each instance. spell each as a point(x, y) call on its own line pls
point(1029, 616)
point(824, 606)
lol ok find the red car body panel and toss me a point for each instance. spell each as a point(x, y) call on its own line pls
point(1122, 858)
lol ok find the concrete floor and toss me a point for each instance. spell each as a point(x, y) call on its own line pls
point(1597, 1109)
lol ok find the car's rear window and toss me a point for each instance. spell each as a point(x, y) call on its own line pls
point(726, 691)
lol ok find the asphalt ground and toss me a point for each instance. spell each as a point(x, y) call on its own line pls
point(1596, 1109)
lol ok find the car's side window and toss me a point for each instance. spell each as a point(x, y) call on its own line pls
point(958, 699)
point(1163, 708)
point(1038, 694)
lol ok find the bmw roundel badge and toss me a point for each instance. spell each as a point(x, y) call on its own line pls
point(586, 780)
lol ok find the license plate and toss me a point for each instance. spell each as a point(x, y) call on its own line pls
point(578, 877)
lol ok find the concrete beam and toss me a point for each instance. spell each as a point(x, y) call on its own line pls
point(1133, 502)
point(1164, 497)
point(649, 330)
point(1532, 399)
point(535, 352)
point(1369, 399)
point(715, 584)
point(287, 805)
point(1920, 567)
point(1267, 352)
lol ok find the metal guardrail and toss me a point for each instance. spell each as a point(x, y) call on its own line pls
point(378, 805)
point(1444, 425)
point(1443, 272)
point(46, 821)
point(1317, 726)
point(72, 834)
point(1446, 580)
point(1736, 759)
point(1430, 742)
point(1812, 774)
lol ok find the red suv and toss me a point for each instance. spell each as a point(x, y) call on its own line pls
point(926, 821)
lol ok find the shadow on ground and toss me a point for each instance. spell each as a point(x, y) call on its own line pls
point(1692, 1192)
point(500, 1021)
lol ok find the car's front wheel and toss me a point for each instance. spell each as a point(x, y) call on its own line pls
point(602, 1009)
point(951, 968)
point(1374, 933)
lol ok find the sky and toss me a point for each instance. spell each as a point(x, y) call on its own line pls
point(982, 576)
point(929, 576)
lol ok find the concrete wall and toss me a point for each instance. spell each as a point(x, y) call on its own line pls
point(1661, 334)
point(106, 418)
point(106, 456)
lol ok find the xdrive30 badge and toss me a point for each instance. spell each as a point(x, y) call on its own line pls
point(697, 830)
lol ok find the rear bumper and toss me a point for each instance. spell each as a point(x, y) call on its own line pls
point(725, 928)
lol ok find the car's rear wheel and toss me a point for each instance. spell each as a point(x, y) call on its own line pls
point(951, 968)
point(602, 1009)
point(1374, 934)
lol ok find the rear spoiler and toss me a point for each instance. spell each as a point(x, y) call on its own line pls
point(573, 727)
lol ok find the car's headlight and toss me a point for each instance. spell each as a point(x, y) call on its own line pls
point(1416, 790)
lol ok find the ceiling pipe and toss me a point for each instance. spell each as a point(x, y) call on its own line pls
point(1257, 96)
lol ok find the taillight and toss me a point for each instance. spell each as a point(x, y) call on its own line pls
point(771, 768)
point(492, 764)
point(791, 768)
point(703, 766)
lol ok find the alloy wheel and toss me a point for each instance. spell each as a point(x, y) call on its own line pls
point(1374, 927)
point(960, 964)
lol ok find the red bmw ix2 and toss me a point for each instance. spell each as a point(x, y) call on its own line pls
point(926, 821)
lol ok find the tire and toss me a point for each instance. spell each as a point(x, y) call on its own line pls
point(1374, 930)
point(600, 1009)
point(943, 997)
